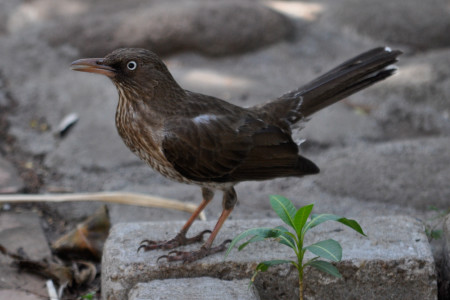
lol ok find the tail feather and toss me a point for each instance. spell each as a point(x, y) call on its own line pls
point(346, 79)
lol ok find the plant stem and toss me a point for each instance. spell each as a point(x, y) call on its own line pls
point(301, 286)
point(300, 264)
point(300, 274)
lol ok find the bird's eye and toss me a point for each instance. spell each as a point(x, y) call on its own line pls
point(132, 65)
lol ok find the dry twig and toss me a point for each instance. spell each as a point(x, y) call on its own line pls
point(113, 197)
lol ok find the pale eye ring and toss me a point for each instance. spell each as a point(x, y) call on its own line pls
point(131, 65)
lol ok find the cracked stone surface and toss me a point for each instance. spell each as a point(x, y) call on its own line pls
point(194, 288)
point(394, 260)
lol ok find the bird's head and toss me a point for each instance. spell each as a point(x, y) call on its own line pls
point(130, 68)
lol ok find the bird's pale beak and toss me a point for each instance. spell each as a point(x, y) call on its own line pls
point(93, 65)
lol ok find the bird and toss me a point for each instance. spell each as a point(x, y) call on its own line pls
point(198, 139)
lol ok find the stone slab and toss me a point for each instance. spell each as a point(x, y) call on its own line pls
point(22, 232)
point(200, 288)
point(394, 261)
point(379, 174)
point(10, 181)
point(17, 294)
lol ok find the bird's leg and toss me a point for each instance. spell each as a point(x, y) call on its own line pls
point(180, 239)
point(229, 200)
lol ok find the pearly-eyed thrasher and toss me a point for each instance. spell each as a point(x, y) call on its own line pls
point(199, 139)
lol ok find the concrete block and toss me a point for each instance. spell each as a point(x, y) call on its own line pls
point(200, 288)
point(393, 262)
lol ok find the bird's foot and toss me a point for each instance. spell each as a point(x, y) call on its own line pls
point(187, 257)
point(179, 240)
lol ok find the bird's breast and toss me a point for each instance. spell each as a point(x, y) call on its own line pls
point(144, 137)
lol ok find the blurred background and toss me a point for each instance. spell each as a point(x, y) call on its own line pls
point(383, 151)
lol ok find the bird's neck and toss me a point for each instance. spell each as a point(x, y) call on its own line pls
point(155, 97)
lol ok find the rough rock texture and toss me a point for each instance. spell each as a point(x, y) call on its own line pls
point(21, 232)
point(377, 175)
point(202, 26)
point(10, 182)
point(200, 288)
point(393, 262)
point(15, 294)
point(445, 269)
point(27, 226)
point(382, 19)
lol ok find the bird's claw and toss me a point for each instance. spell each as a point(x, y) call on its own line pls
point(187, 257)
point(147, 242)
point(179, 240)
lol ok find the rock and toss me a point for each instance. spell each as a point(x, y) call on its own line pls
point(10, 181)
point(199, 288)
point(394, 261)
point(21, 232)
point(7, 8)
point(18, 294)
point(416, 99)
point(340, 126)
point(418, 168)
point(445, 269)
point(423, 78)
point(397, 21)
point(204, 27)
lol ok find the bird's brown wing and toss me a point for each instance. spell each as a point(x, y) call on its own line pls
point(231, 149)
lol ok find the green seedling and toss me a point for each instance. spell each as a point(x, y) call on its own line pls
point(88, 296)
point(433, 226)
point(329, 249)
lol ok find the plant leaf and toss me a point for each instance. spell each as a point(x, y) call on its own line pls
point(261, 231)
point(284, 209)
point(258, 234)
point(318, 219)
point(329, 249)
point(436, 234)
point(324, 266)
point(286, 237)
point(301, 216)
point(255, 238)
point(352, 224)
point(263, 266)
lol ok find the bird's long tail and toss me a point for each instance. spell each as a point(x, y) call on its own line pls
point(348, 78)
